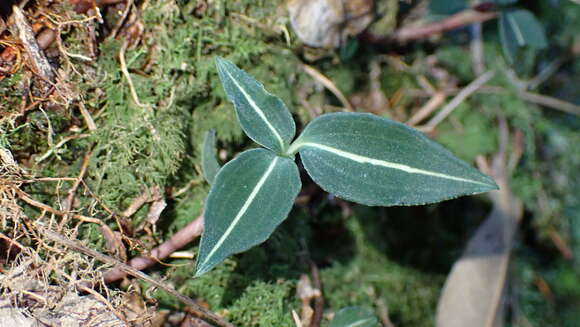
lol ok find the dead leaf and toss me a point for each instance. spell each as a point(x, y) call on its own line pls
point(474, 291)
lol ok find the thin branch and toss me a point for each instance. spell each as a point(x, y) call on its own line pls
point(24, 197)
point(461, 19)
point(125, 72)
point(457, 100)
point(319, 300)
point(75, 245)
point(319, 77)
point(435, 101)
point(59, 144)
point(551, 102)
point(176, 242)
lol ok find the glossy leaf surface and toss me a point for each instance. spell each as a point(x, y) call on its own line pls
point(209, 164)
point(519, 28)
point(263, 116)
point(376, 161)
point(354, 317)
point(251, 195)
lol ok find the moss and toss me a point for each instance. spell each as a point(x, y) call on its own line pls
point(410, 294)
point(472, 134)
point(264, 304)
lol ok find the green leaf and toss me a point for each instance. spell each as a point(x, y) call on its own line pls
point(378, 162)
point(504, 2)
point(209, 164)
point(446, 7)
point(519, 28)
point(263, 116)
point(250, 196)
point(354, 317)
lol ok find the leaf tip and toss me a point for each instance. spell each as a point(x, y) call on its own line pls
point(490, 183)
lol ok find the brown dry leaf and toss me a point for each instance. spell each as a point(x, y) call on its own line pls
point(474, 291)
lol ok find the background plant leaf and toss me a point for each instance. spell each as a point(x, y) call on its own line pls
point(504, 2)
point(519, 28)
point(209, 164)
point(446, 7)
point(354, 316)
point(376, 161)
point(263, 116)
point(251, 195)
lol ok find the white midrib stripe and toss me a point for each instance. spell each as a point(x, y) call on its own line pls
point(257, 109)
point(386, 164)
point(517, 31)
point(242, 211)
point(360, 322)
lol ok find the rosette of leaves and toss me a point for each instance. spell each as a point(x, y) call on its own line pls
point(356, 156)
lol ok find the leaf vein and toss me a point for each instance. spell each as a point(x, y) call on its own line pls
point(242, 211)
point(387, 164)
point(257, 109)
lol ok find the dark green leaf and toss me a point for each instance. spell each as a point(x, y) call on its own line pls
point(250, 196)
point(377, 161)
point(354, 317)
point(504, 2)
point(209, 164)
point(263, 116)
point(446, 7)
point(519, 28)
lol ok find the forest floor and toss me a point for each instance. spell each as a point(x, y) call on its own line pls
point(104, 106)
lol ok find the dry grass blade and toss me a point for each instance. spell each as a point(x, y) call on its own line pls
point(327, 83)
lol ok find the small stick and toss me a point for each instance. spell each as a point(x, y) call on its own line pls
point(436, 100)
point(108, 304)
point(75, 245)
point(319, 77)
point(73, 189)
point(24, 197)
point(50, 179)
point(551, 102)
point(68, 204)
point(176, 242)
point(458, 99)
point(11, 241)
point(460, 19)
point(149, 195)
point(59, 144)
point(319, 300)
point(125, 72)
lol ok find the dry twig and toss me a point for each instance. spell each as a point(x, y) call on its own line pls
point(319, 77)
point(24, 197)
point(550, 102)
point(457, 100)
point(460, 19)
point(177, 241)
point(76, 246)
